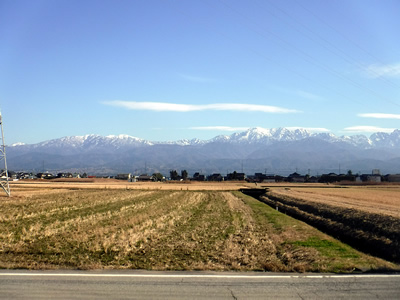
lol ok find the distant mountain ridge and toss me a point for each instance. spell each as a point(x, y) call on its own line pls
point(261, 135)
point(251, 136)
point(273, 148)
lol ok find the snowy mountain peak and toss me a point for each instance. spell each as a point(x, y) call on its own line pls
point(383, 139)
point(17, 144)
point(255, 135)
point(274, 147)
point(262, 135)
point(121, 137)
point(259, 131)
point(124, 138)
point(259, 135)
point(187, 142)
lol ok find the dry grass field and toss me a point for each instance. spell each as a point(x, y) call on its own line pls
point(367, 217)
point(104, 224)
point(383, 199)
point(36, 185)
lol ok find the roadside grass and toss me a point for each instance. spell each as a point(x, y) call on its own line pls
point(165, 230)
point(328, 248)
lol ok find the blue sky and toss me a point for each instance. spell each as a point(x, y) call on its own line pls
point(167, 70)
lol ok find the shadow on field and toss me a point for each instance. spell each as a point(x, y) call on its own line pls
point(375, 234)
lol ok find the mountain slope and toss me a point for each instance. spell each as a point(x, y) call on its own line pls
point(279, 150)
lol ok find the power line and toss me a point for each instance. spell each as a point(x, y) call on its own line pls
point(291, 70)
point(338, 52)
point(292, 48)
point(307, 56)
point(337, 31)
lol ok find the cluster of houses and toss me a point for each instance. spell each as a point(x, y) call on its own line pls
point(45, 175)
point(374, 177)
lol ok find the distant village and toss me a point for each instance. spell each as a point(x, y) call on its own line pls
point(374, 177)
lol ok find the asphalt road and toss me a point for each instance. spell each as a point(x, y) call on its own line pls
point(193, 285)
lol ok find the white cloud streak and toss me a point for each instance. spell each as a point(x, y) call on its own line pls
point(376, 71)
point(219, 128)
point(309, 96)
point(368, 129)
point(228, 128)
point(380, 116)
point(174, 107)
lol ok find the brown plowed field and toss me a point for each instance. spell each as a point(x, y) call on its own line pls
point(372, 199)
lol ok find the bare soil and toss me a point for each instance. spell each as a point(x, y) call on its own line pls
point(379, 199)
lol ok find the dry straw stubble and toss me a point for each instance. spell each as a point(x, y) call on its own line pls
point(159, 230)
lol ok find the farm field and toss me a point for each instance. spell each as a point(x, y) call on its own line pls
point(162, 227)
point(380, 199)
point(36, 186)
point(366, 217)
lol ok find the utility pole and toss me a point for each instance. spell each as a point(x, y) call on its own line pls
point(4, 179)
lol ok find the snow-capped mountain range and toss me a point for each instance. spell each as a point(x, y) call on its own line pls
point(250, 136)
point(277, 149)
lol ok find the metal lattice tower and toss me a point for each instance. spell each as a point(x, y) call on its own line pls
point(4, 175)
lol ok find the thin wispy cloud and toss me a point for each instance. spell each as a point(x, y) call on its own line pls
point(219, 128)
point(229, 128)
point(298, 93)
point(380, 116)
point(309, 96)
point(198, 79)
point(174, 107)
point(368, 129)
point(311, 129)
point(378, 70)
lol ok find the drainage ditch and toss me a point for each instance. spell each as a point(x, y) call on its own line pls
point(375, 234)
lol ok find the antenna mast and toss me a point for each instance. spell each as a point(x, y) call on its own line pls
point(4, 178)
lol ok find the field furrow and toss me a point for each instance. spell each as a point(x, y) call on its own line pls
point(164, 230)
point(378, 200)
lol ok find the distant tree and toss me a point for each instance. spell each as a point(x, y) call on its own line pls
point(184, 174)
point(307, 177)
point(234, 175)
point(158, 177)
point(174, 175)
point(349, 176)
